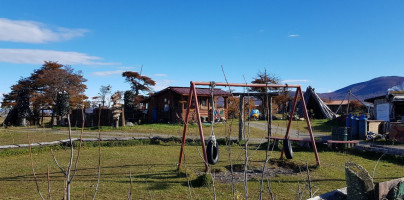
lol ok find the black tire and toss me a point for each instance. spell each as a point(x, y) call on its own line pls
point(212, 152)
point(287, 148)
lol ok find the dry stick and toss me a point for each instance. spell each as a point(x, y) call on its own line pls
point(309, 180)
point(188, 181)
point(209, 173)
point(269, 131)
point(233, 190)
point(229, 144)
point(263, 169)
point(374, 169)
point(246, 152)
point(147, 178)
point(271, 194)
point(32, 166)
point(69, 167)
point(81, 142)
point(99, 152)
point(49, 190)
point(301, 190)
point(54, 159)
point(131, 184)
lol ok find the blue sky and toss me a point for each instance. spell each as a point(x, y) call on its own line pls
point(326, 44)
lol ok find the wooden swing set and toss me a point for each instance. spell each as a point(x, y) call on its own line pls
point(193, 97)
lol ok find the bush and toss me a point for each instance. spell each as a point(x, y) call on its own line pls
point(203, 180)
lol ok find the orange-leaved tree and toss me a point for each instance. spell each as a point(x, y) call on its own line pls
point(45, 83)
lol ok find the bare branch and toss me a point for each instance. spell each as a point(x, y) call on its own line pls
point(309, 180)
point(271, 194)
point(99, 153)
point(131, 184)
point(69, 167)
point(209, 173)
point(81, 142)
point(32, 166)
point(49, 190)
point(54, 158)
point(377, 163)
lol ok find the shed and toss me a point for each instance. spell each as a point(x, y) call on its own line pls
point(315, 106)
point(388, 107)
point(170, 104)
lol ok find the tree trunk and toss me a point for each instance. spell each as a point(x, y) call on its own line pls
point(116, 123)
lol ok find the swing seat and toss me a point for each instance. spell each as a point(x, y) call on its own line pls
point(212, 152)
point(287, 148)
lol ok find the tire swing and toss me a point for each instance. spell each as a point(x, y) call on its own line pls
point(287, 146)
point(212, 149)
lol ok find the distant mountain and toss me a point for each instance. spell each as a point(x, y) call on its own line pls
point(368, 89)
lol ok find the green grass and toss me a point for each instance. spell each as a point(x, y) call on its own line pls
point(154, 172)
point(18, 135)
point(324, 126)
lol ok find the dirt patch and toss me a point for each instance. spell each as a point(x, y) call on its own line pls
point(273, 169)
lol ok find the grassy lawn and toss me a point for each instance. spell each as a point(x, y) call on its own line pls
point(318, 125)
point(154, 176)
point(18, 135)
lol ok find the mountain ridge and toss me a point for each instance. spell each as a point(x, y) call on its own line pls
point(366, 89)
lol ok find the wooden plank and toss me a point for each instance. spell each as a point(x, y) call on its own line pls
point(343, 142)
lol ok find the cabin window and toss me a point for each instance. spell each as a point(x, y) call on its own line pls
point(203, 102)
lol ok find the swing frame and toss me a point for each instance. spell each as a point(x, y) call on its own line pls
point(193, 96)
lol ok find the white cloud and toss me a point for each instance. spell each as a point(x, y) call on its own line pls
point(108, 73)
point(37, 56)
point(160, 75)
point(295, 81)
point(126, 68)
point(162, 84)
point(34, 32)
point(293, 35)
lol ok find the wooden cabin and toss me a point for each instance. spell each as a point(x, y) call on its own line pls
point(170, 105)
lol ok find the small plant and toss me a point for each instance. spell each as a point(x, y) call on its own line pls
point(203, 180)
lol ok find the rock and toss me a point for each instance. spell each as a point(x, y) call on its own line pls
point(130, 124)
point(359, 183)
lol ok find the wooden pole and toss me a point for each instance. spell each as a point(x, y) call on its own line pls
point(198, 116)
point(241, 118)
point(291, 118)
point(186, 120)
point(269, 100)
point(123, 117)
point(306, 116)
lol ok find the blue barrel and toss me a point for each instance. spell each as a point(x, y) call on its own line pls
point(355, 128)
point(348, 121)
point(154, 115)
point(363, 127)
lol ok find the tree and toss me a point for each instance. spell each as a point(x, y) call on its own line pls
point(264, 78)
point(138, 82)
point(234, 106)
point(104, 91)
point(45, 83)
point(53, 78)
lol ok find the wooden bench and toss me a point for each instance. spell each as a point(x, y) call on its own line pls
point(302, 141)
point(348, 144)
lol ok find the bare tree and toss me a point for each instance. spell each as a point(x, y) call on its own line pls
point(103, 94)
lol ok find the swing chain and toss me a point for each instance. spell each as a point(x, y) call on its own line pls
point(212, 134)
